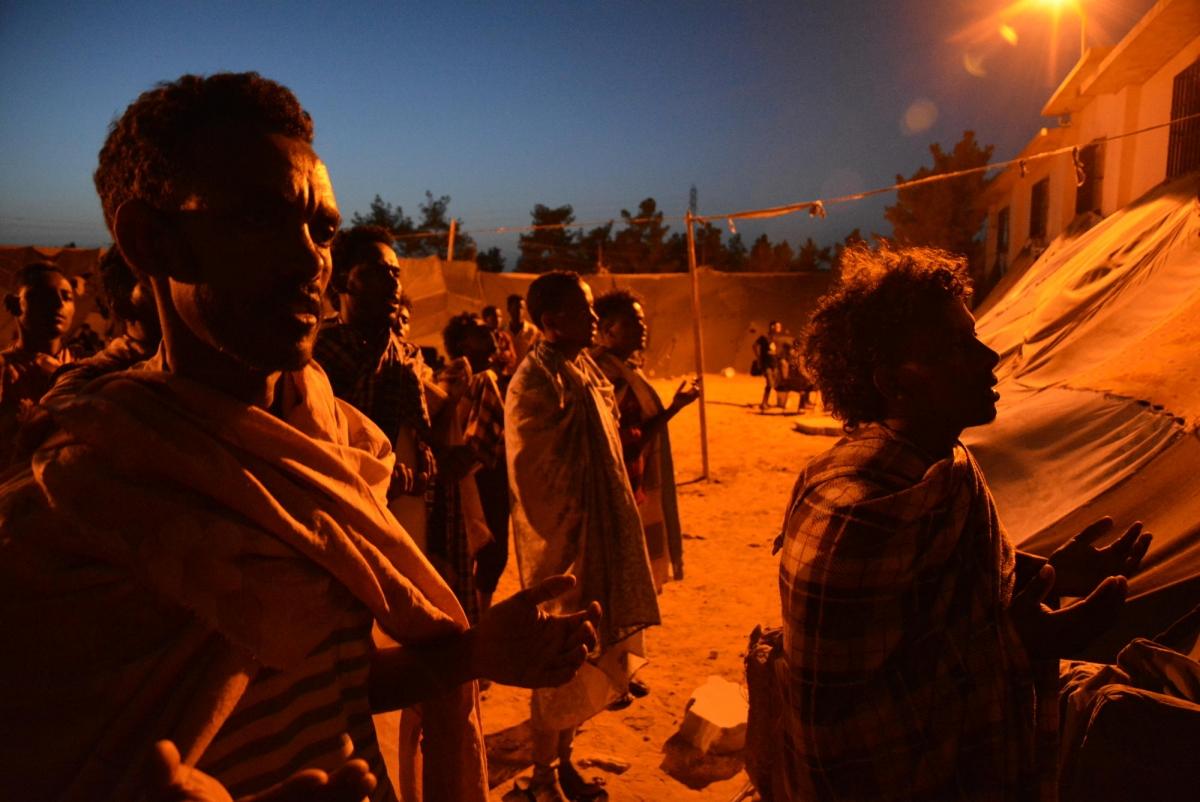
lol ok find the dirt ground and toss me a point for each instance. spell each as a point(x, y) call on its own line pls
point(730, 585)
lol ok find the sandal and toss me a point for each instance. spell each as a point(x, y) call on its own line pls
point(578, 789)
point(536, 790)
point(638, 689)
point(621, 702)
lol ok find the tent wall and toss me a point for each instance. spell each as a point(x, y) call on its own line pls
point(1100, 395)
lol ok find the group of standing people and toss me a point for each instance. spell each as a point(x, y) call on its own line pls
point(778, 358)
point(254, 529)
point(238, 533)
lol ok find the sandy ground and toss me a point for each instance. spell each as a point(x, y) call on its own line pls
point(730, 585)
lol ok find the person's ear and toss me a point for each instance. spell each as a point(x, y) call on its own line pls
point(13, 304)
point(549, 322)
point(148, 242)
point(78, 285)
point(898, 385)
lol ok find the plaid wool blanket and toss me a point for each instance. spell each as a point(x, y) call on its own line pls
point(907, 680)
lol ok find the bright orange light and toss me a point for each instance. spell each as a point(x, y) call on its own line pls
point(1008, 34)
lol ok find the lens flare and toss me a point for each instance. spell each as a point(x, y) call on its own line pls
point(919, 116)
point(973, 64)
point(1008, 34)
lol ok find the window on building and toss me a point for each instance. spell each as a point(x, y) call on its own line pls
point(1183, 145)
point(1039, 209)
point(1087, 194)
point(1001, 240)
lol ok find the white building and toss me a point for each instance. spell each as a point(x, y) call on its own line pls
point(1152, 76)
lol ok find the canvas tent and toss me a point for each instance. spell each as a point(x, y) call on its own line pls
point(1100, 395)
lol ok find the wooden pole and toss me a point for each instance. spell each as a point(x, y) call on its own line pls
point(450, 246)
point(692, 270)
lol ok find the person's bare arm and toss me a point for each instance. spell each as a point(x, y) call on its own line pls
point(515, 643)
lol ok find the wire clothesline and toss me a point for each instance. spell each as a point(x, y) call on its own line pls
point(815, 208)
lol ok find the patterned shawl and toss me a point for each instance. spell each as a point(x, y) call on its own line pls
point(654, 485)
point(169, 540)
point(907, 678)
point(573, 510)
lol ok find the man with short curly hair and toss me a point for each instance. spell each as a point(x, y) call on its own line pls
point(920, 665)
point(573, 510)
point(372, 367)
point(199, 550)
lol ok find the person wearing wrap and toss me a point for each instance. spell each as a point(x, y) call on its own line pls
point(574, 511)
point(922, 662)
point(199, 549)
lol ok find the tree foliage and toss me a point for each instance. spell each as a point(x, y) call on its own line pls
point(435, 217)
point(491, 261)
point(944, 214)
point(642, 245)
point(410, 239)
point(385, 215)
point(551, 245)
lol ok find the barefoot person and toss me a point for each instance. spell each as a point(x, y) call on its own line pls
point(574, 511)
point(199, 550)
point(922, 662)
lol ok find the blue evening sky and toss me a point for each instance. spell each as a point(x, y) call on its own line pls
point(506, 104)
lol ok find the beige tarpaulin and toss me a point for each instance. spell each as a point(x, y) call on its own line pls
point(1100, 394)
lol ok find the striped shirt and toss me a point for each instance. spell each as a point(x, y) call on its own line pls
point(312, 715)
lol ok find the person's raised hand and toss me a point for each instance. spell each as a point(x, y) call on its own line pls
point(1050, 633)
point(171, 781)
point(403, 481)
point(517, 643)
point(1079, 566)
point(687, 392)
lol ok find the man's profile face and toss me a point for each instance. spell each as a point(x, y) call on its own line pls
point(491, 319)
point(373, 290)
point(627, 331)
point(516, 310)
point(47, 305)
point(951, 371)
point(255, 248)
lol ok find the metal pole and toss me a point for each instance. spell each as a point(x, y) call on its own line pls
point(691, 241)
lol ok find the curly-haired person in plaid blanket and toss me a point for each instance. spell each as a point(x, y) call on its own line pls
point(922, 662)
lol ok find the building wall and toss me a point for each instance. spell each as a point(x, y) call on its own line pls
point(1019, 202)
point(1149, 165)
point(1131, 165)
